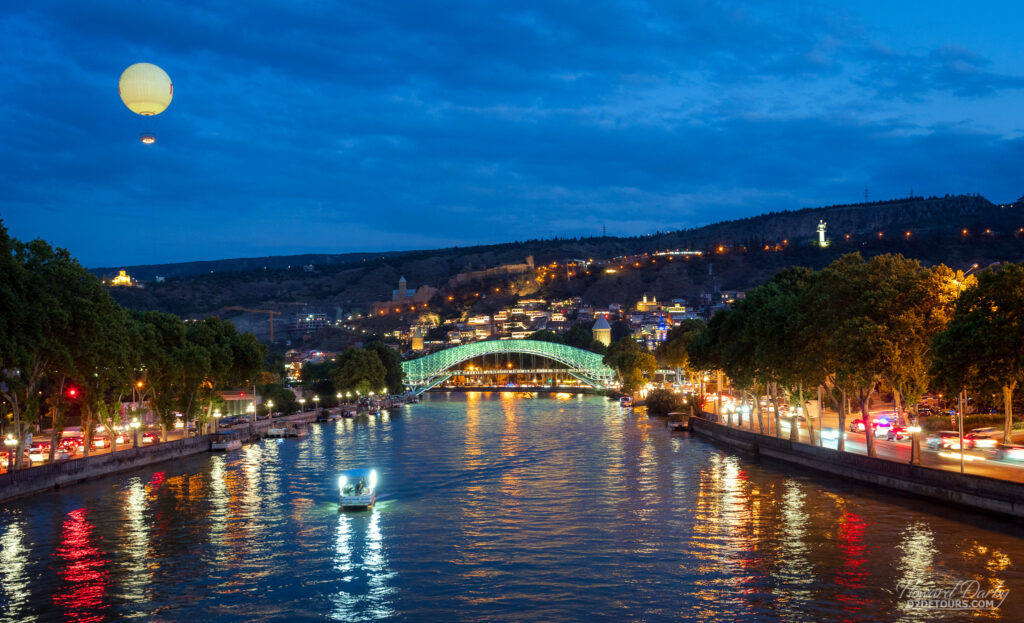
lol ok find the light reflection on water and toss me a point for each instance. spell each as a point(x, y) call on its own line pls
point(492, 508)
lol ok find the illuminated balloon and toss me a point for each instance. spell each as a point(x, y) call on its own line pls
point(145, 89)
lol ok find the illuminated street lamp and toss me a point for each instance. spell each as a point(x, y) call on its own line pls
point(216, 417)
point(270, 408)
point(302, 404)
point(339, 398)
point(915, 449)
point(251, 410)
point(11, 443)
point(135, 431)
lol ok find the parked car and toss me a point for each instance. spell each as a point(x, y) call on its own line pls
point(100, 441)
point(945, 439)
point(149, 437)
point(897, 433)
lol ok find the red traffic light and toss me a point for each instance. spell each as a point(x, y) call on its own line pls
point(72, 392)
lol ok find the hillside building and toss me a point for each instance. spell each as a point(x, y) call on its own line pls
point(602, 331)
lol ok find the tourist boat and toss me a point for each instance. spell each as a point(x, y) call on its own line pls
point(276, 432)
point(358, 489)
point(678, 422)
point(326, 416)
point(225, 441)
point(626, 401)
point(524, 394)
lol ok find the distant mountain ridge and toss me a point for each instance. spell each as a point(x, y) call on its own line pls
point(918, 213)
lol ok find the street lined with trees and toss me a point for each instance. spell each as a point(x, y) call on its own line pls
point(66, 345)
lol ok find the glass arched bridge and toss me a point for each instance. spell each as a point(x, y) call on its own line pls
point(436, 368)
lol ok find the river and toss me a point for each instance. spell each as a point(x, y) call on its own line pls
point(493, 508)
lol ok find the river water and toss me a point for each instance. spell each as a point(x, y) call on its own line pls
point(491, 508)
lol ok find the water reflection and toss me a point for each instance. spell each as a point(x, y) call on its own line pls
point(14, 557)
point(83, 569)
point(492, 508)
point(361, 560)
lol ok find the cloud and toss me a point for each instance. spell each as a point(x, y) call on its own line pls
point(313, 126)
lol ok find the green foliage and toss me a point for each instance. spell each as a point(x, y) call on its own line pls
point(360, 371)
point(394, 376)
point(544, 335)
point(663, 402)
point(633, 364)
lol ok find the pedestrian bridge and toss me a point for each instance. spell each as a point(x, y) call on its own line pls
point(426, 372)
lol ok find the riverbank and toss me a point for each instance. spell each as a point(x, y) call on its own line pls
point(59, 474)
point(978, 492)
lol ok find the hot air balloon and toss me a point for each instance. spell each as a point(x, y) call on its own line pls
point(146, 90)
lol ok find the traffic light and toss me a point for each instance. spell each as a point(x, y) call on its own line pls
point(72, 392)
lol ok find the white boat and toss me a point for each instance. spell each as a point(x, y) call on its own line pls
point(358, 489)
point(626, 401)
point(225, 441)
point(276, 432)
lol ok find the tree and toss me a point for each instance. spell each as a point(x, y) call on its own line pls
point(633, 364)
point(159, 339)
point(662, 402)
point(360, 371)
point(544, 335)
point(394, 376)
point(982, 345)
point(578, 336)
point(672, 353)
point(872, 315)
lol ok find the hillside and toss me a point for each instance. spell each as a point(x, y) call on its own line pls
point(738, 255)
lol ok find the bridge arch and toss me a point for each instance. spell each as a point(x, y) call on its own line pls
point(426, 372)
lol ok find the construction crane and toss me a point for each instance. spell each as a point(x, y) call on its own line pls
point(269, 312)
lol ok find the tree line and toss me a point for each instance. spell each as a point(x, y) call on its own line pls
point(66, 344)
point(858, 326)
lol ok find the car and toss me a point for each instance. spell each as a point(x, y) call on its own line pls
point(26, 460)
point(943, 440)
point(71, 445)
point(149, 437)
point(100, 441)
point(897, 433)
point(39, 452)
point(979, 440)
point(1009, 452)
point(924, 412)
point(857, 426)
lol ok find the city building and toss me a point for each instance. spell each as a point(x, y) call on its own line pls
point(648, 306)
point(417, 339)
point(602, 331)
point(122, 279)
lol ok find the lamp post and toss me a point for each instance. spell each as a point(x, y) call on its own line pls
point(216, 418)
point(339, 399)
point(251, 410)
point(302, 404)
point(316, 402)
point(915, 449)
point(135, 431)
point(270, 409)
point(11, 443)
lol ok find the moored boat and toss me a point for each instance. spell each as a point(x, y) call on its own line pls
point(626, 401)
point(358, 489)
point(225, 441)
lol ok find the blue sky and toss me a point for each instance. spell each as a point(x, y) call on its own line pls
point(309, 127)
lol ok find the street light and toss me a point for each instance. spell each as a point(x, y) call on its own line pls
point(339, 398)
point(251, 410)
point(270, 409)
point(915, 449)
point(302, 404)
point(135, 431)
point(216, 416)
point(11, 443)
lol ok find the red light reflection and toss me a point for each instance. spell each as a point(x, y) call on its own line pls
point(84, 571)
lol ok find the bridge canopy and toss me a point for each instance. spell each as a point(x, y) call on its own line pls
point(425, 372)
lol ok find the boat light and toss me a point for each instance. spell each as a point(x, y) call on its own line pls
point(373, 479)
point(341, 482)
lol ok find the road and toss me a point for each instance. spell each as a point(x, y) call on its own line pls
point(979, 462)
point(172, 435)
